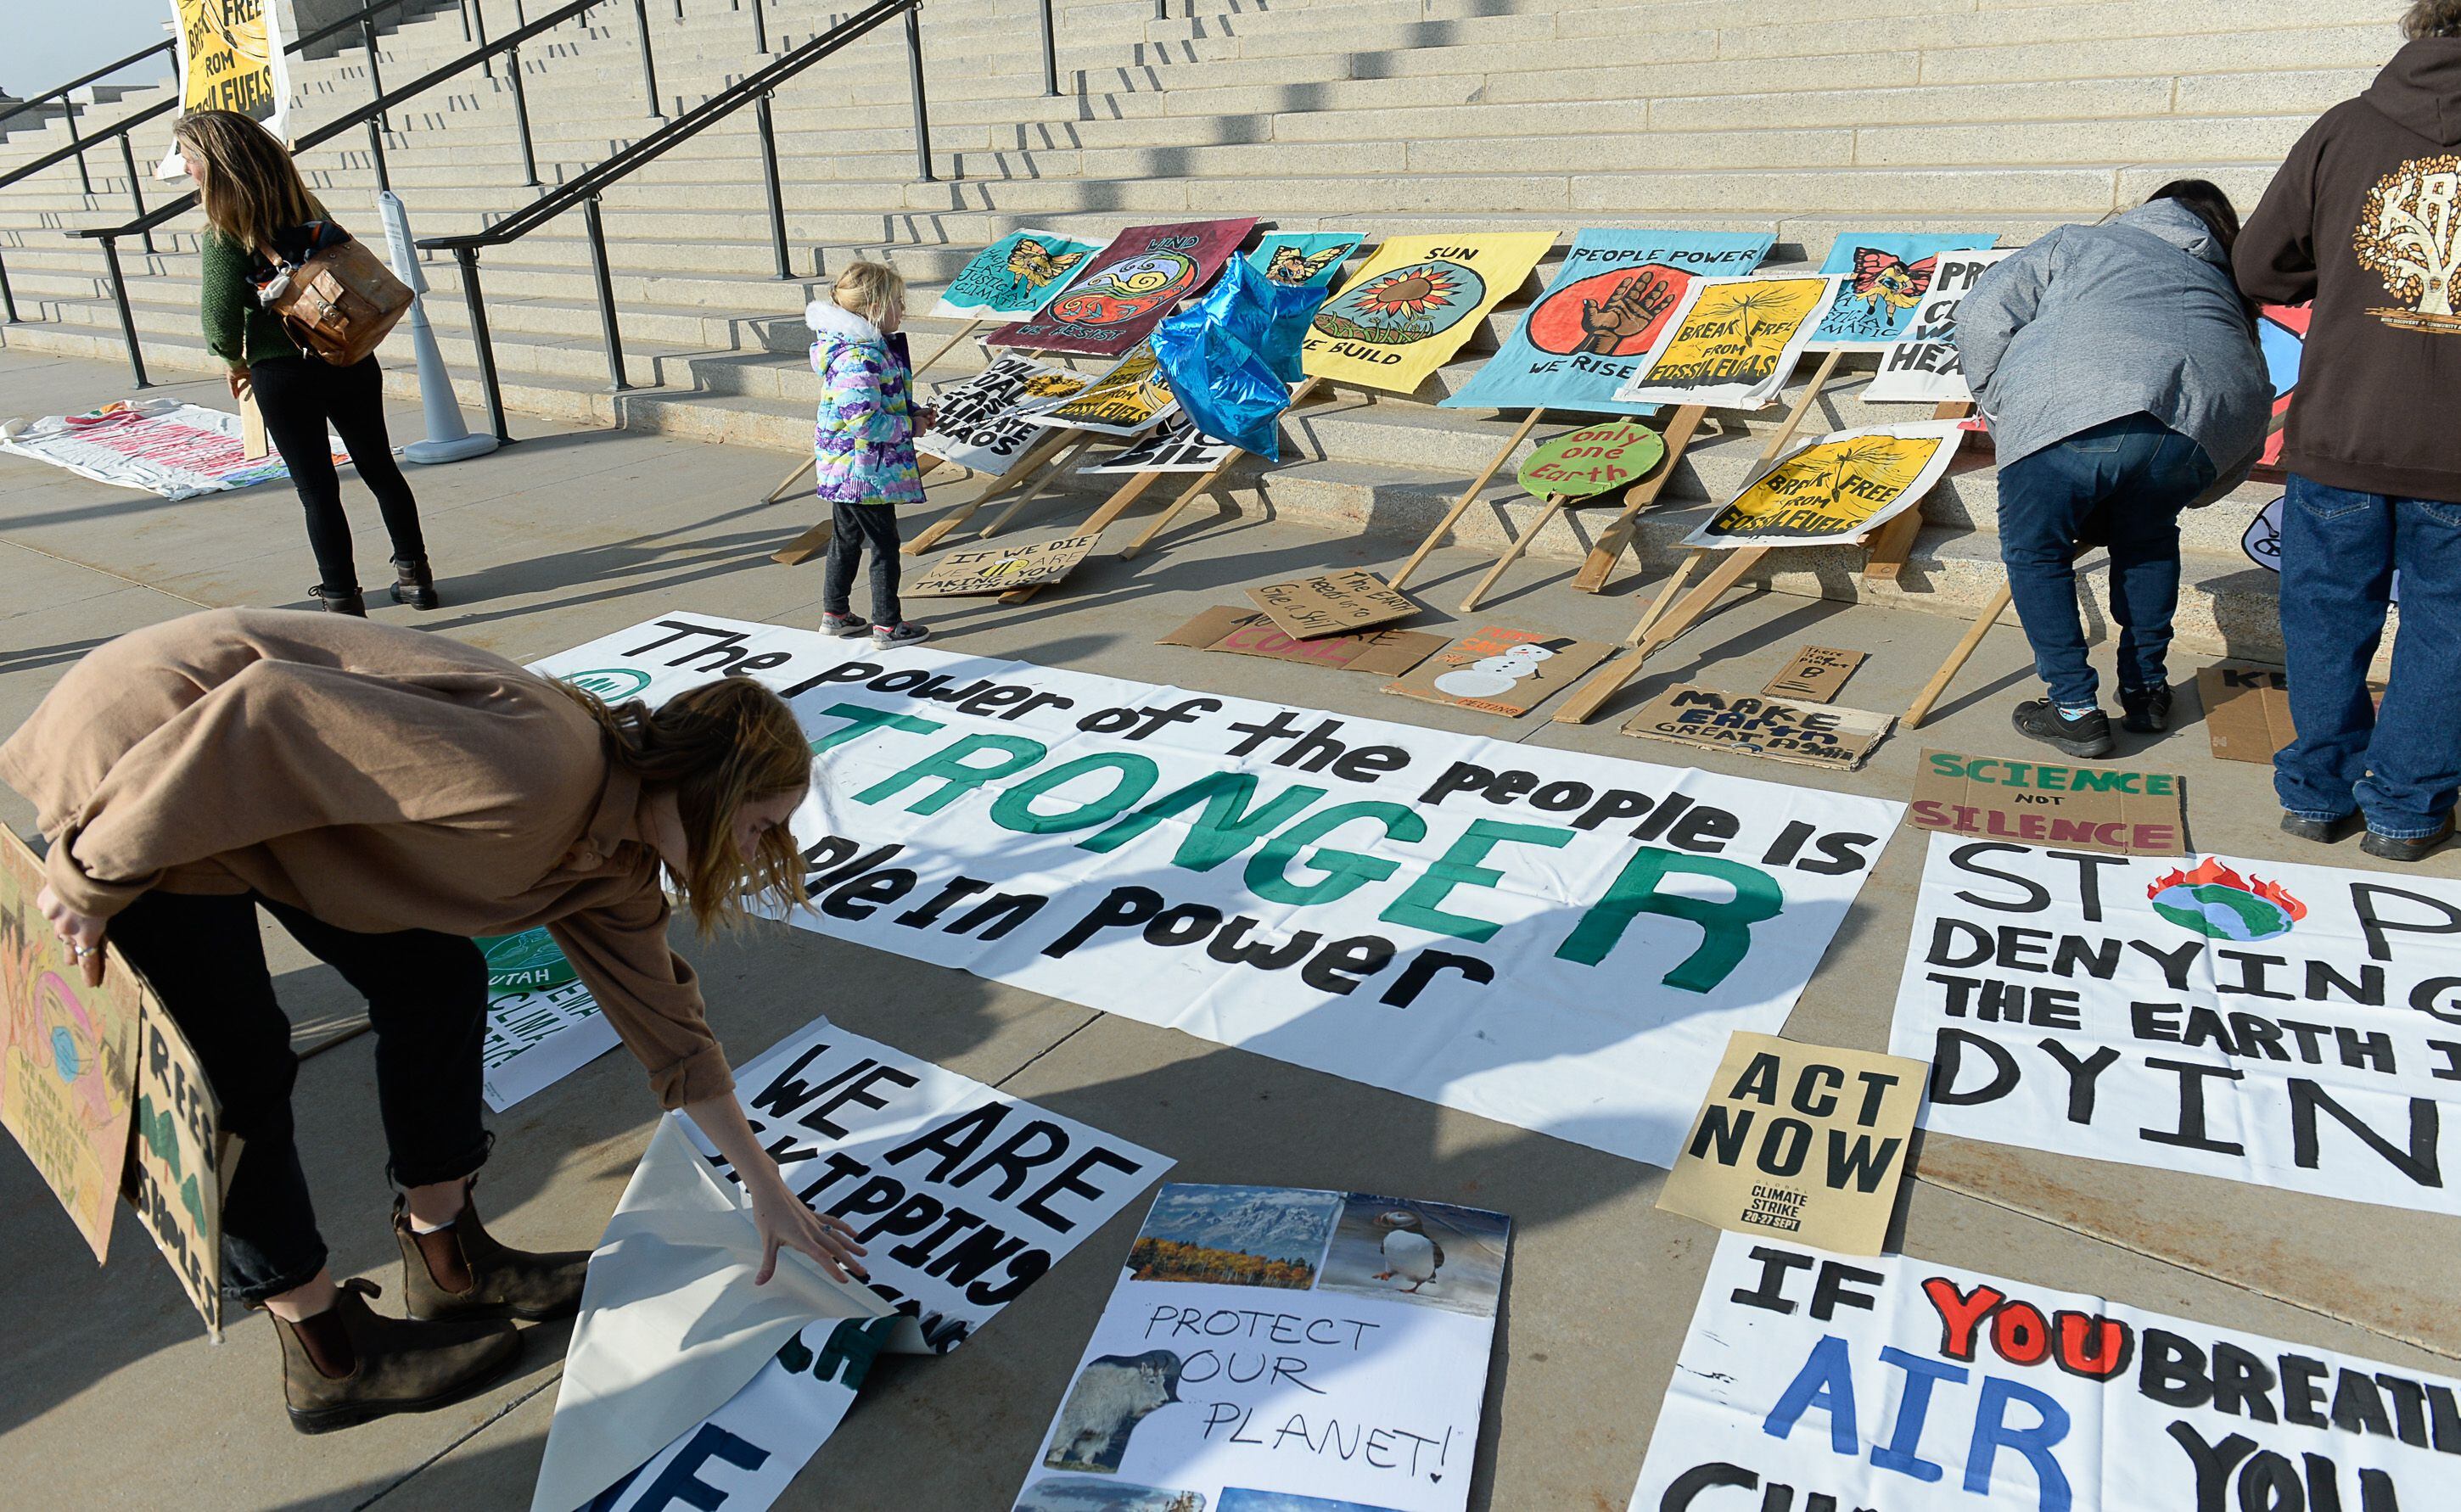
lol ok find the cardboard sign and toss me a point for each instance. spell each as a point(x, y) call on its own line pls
point(979, 422)
point(68, 1053)
point(2247, 711)
point(1611, 298)
point(1502, 671)
point(1012, 277)
point(1556, 940)
point(1593, 459)
point(1252, 1321)
point(1174, 445)
point(1807, 735)
point(1312, 261)
point(1126, 401)
point(1800, 1140)
point(1882, 282)
point(1815, 675)
point(2266, 1022)
point(1731, 344)
point(1001, 569)
point(1834, 490)
point(181, 1161)
point(1905, 1385)
point(2050, 804)
point(1414, 305)
point(1332, 605)
point(1249, 632)
point(1922, 366)
point(1124, 291)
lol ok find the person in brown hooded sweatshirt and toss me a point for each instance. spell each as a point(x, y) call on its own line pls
point(2365, 219)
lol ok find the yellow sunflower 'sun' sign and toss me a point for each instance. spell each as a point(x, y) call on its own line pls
point(1414, 303)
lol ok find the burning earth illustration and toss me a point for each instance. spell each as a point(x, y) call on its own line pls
point(2218, 902)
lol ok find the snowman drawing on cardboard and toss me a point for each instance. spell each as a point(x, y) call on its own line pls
point(1494, 676)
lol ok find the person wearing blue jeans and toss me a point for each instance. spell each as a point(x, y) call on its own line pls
point(2118, 368)
point(2373, 450)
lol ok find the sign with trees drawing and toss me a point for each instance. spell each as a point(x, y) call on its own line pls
point(1830, 491)
point(1414, 305)
point(1731, 343)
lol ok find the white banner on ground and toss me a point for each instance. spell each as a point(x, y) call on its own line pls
point(2289, 1025)
point(1813, 1381)
point(1554, 939)
point(1283, 1349)
point(536, 1039)
point(963, 1197)
point(161, 446)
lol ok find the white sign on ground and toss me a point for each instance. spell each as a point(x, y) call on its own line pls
point(962, 1196)
point(159, 446)
point(2289, 1025)
point(536, 1039)
point(1809, 1380)
point(1282, 1350)
point(1559, 940)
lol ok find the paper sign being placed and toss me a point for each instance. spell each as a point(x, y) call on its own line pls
point(1012, 277)
point(159, 446)
point(1815, 675)
point(1922, 366)
point(1123, 291)
point(898, 1147)
point(1001, 569)
point(1834, 490)
point(1731, 344)
point(2050, 804)
point(1556, 940)
point(1126, 401)
point(1174, 445)
point(1883, 279)
point(1377, 1314)
point(1414, 303)
point(68, 1053)
point(537, 1039)
point(1803, 1140)
point(2282, 1025)
point(1906, 1385)
point(1335, 604)
point(1609, 302)
point(979, 422)
point(1248, 633)
point(1807, 735)
point(1593, 459)
point(1312, 261)
point(1504, 671)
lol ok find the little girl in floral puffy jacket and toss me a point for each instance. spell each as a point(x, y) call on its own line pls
point(864, 445)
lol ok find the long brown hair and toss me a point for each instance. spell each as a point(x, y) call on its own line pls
point(2433, 18)
point(717, 748)
point(252, 190)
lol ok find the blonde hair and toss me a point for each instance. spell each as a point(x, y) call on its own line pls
point(252, 191)
point(871, 290)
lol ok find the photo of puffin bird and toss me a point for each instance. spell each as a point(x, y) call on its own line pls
point(1409, 1251)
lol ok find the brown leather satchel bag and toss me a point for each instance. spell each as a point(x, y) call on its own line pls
point(340, 301)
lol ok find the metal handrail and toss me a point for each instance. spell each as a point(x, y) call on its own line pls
point(167, 44)
point(754, 88)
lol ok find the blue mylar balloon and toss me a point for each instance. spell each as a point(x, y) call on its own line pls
point(1231, 357)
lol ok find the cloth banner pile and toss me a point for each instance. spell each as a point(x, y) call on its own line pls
point(161, 446)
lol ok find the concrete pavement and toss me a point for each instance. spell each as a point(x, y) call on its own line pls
point(109, 1395)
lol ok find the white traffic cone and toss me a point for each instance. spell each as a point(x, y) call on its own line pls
point(448, 439)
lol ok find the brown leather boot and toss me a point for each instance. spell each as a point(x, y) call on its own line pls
point(397, 1365)
point(460, 1271)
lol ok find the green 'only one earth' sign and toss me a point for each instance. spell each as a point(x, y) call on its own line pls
point(1593, 459)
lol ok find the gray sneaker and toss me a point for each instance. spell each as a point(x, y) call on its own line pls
point(842, 625)
point(885, 636)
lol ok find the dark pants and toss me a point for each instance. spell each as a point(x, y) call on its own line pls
point(427, 1001)
point(299, 396)
point(2338, 552)
point(2120, 485)
point(857, 526)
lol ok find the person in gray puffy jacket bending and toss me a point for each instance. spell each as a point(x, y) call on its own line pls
point(2118, 367)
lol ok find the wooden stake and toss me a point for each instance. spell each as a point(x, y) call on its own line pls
point(947, 346)
point(789, 481)
point(1666, 595)
point(1051, 471)
point(1885, 550)
point(1681, 428)
point(1603, 684)
point(806, 547)
point(1921, 709)
point(1470, 495)
point(1802, 407)
point(1188, 495)
point(1024, 469)
point(1512, 552)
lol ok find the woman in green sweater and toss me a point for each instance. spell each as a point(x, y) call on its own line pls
point(257, 212)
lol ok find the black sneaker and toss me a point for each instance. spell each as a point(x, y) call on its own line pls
point(2145, 711)
point(2085, 736)
point(2323, 831)
point(2384, 848)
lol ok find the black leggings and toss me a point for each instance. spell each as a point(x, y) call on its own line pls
point(299, 396)
point(860, 527)
point(427, 1001)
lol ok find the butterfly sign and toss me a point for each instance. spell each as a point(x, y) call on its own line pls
point(1303, 262)
point(1012, 277)
point(1886, 277)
